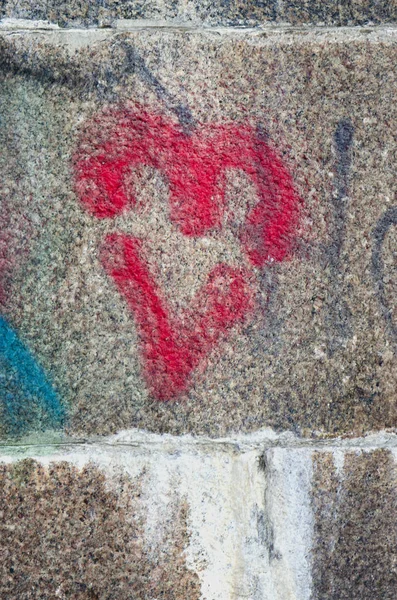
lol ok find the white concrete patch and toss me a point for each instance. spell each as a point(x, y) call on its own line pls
point(289, 509)
point(250, 515)
point(12, 23)
point(222, 488)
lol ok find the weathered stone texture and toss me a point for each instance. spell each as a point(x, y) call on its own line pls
point(198, 235)
point(71, 533)
point(310, 341)
point(153, 516)
point(222, 12)
point(355, 540)
point(339, 13)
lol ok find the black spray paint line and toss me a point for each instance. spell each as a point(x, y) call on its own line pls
point(136, 62)
point(343, 139)
point(378, 269)
point(100, 80)
point(272, 333)
point(338, 315)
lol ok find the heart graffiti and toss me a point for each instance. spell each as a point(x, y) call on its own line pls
point(194, 165)
point(171, 346)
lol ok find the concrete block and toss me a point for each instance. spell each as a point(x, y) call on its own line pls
point(333, 513)
point(355, 510)
point(145, 518)
point(273, 518)
point(198, 231)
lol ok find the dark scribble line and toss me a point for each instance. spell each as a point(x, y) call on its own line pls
point(182, 111)
point(380, 231)
point(338, 314)
point(101, 80)
point(343, 139)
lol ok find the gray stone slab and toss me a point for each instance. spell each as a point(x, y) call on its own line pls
point(198, 231)
point(77, 533)
point(355, 509)
point(74, 13)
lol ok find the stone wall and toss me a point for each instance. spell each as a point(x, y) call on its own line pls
point(104, 13)
point(198, 308)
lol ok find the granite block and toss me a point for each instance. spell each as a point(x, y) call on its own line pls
point(355, 508)
point(77, 533)
point(138, 516)
point(106, 13)
point(198, 231)
point(332, 512)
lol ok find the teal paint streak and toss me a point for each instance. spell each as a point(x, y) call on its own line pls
point(28, 398)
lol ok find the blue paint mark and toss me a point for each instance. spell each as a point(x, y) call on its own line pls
point(28, 398)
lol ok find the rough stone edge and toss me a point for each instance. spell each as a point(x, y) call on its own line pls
point(146, 442)
point(133, 25)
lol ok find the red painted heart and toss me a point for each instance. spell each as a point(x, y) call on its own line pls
point(173, 346)
point(194, 165)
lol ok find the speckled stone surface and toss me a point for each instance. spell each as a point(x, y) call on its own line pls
point(316, 352)
point(222, 12)
point(354, 551)
point(74, 533)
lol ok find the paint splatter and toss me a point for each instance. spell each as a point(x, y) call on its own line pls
point(194, 163)
point(26, 393)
